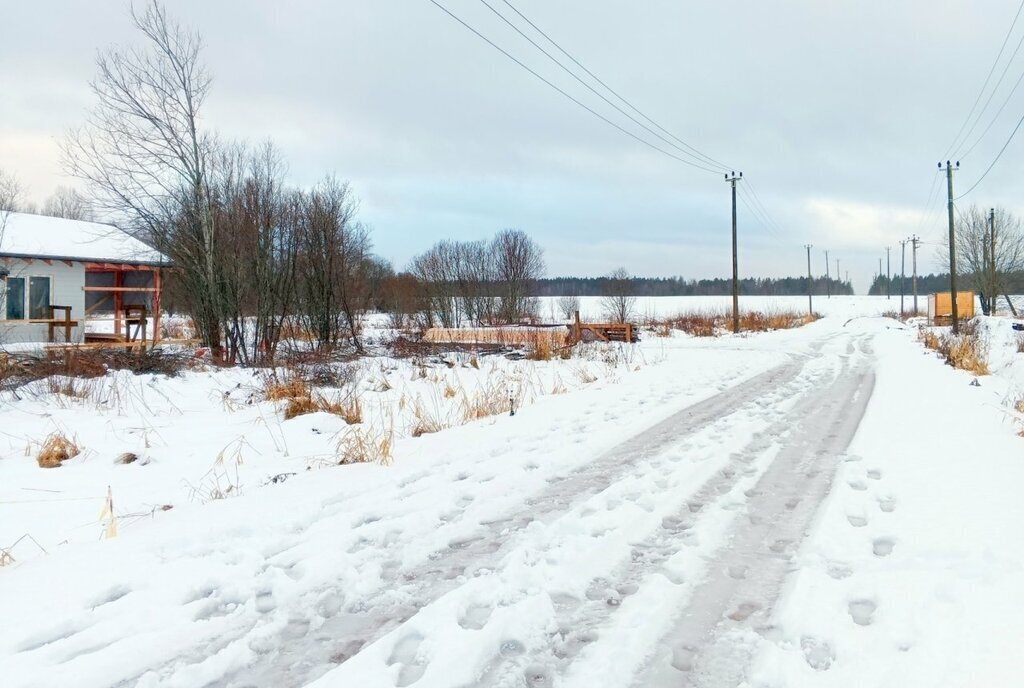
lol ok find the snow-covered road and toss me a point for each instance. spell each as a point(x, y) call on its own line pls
point(667, 541)
point(701, 523)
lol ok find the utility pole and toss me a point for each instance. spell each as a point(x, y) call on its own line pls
point(903, 270)
point(915, 241)
point(839, 277)
point(888, 274)
point(992, 256)
point(828, 279)
point(735, 266)
point(810, 303)
point(952, 243)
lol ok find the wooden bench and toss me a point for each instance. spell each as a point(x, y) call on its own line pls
point(53, 322)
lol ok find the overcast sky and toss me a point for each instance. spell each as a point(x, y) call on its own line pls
point(835, 111)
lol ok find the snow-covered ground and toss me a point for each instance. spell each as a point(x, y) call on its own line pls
point(825, 506)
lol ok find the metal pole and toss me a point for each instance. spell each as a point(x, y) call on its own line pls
point(952, 245)
point(810, 302)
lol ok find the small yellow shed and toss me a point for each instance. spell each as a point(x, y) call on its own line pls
point(940, 307)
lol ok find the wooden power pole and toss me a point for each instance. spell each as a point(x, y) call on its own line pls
point(888, 274)
point(828, 279)
point(952, 243)
point(735, 265)
point(810, 302)
point(903, 270)
point(992, 259)
point(914, 240)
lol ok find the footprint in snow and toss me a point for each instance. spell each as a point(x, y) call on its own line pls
point(862, 612)
point(882, 547)
point(406, 654)
point(875, 474)
point(817, 653)
point(475, 617)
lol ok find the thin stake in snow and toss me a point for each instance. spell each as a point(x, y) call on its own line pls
point(108, 513)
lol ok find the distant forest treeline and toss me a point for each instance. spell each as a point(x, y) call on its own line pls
point(930, 284)
point(678, 286)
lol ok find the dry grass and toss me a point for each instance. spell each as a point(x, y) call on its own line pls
point(965, 351)
point(55, 450)
point(491, 399)
point(293, 388)
point(358, 445)
point(300, 397)
point(712, 323)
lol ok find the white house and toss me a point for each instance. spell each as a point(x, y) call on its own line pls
point(66, 277)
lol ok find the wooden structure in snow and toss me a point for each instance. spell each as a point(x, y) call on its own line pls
point(940, 307)
point(601, 332)
point(73, 282)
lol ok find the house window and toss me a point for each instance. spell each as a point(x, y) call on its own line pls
point(15, 298)
point(38, 297)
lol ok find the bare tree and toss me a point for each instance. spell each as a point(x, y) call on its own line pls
point(334, 264)
point(569, 305)
point(10, 199)
point(518, 264)
point(68, 204)
point(619, 300)
point(146, 157)
point(256, 214)
point(974, 243)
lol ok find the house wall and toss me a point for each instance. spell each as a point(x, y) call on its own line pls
point(66, 282)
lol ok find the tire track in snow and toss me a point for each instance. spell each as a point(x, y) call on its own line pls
point(713, 641)
point(738, 482)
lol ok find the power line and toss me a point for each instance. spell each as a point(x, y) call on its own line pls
point(994, 160)
point(615, 93)
point(588, 86)
point(760, 203)
point(761, 218)
point(567, 95)
point(988, 78)
point(996, 116)
point(992, 95)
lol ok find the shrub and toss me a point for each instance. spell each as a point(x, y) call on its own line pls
point(55, 450)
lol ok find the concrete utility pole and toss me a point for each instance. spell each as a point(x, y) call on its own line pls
point(735, 266)
point(888, 274)
point(810, 303)
point(952, 243)
point(915, 241)
point(828, 279)
point(839, 275)
point(903, 270)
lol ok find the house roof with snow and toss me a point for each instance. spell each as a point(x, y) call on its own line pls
point(38, 236)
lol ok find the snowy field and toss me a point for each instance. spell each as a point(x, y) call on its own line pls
point(827, 506)
point(654, 307)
